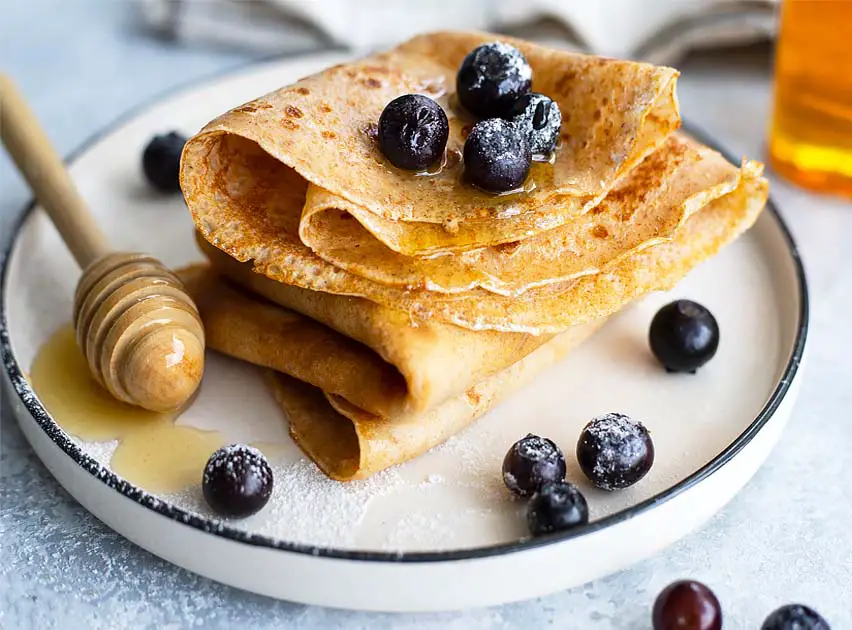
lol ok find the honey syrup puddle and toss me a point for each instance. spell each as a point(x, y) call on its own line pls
point(153, 452)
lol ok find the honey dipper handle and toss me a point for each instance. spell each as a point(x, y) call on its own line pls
point(44, 171)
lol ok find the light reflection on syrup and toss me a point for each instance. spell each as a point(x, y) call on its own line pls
point(527, 187)
point(153, 452)
point(547, 158)
point(437, 168)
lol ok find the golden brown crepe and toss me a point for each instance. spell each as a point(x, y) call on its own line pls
point(544, 310)
point(370, 354)
point(645, 207)
point(348, 443)
point(394, 308)
point(325, 380)
point(614, 114)
point(257, 202)
point(411, 365)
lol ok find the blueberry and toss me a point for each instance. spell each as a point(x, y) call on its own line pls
point(795, 617)
point(684, 336)
point(496, 156)
point(491, 78)
point(615, 451)
point(413, 132)
point(540, 119)
point(161, 161)
point(556, 507)
point(237, 481)
point(687, 605)
point(531, 462)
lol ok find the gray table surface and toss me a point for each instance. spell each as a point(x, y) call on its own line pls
point(786, 537)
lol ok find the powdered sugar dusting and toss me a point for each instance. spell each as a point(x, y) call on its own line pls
point(614, 427)
point(457, 487)
point(306, 507)
point(509, 61)
point(499, 137)
point(237, 462)
point(535, 448)
point(318, 510)
point(101, 451)
point(618, 438)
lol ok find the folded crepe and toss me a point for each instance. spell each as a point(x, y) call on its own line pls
point(348, 443)
point(544, 310)
point(644, 207)
point(394, 308)
point(391, 365)
point(387, 365)
point(325, 381)
point(365, 389)
point(323, 127)
point(249, 204)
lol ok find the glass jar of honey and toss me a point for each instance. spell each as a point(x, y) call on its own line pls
point(811, 137)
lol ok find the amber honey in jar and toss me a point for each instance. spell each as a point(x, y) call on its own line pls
point(811, 136)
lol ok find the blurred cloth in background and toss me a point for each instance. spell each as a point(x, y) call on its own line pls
point(660, 31)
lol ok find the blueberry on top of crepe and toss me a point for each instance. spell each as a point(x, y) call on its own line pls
point(413, 132)
point(539, 119)
point(491, 78)
point(497, 156)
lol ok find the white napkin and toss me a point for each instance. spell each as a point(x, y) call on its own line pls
point(655, 30)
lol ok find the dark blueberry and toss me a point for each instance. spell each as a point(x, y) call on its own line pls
point(687, 605)
point(531, 462)
point(615, 451)
point(684, 336)
point(497, 156)
point(540, 119)
point(491, 78)
point(555, 508)
point(237, 481)
point(413, 132)
point(161, 161)
point(795, 617)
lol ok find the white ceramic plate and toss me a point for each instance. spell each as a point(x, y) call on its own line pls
point(440, 532)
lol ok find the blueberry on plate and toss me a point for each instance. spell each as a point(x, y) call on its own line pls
point(540, 119)
point(687, 605)
point(556, 507)
point(531, 462)
point(413, 132)
point(237, 481)
point(161, 161)
point(497, 156)
point(684, 336)
point(795, 617)
point(614, 451)
point(491, 78)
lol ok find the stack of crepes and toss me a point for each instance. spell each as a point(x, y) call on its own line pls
point(395, 308)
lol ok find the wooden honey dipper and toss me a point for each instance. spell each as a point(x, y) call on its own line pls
point(139, 330)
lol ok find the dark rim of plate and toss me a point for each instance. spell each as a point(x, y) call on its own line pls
point(216, 527)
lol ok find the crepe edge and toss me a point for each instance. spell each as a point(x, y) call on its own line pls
point(347, 443)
